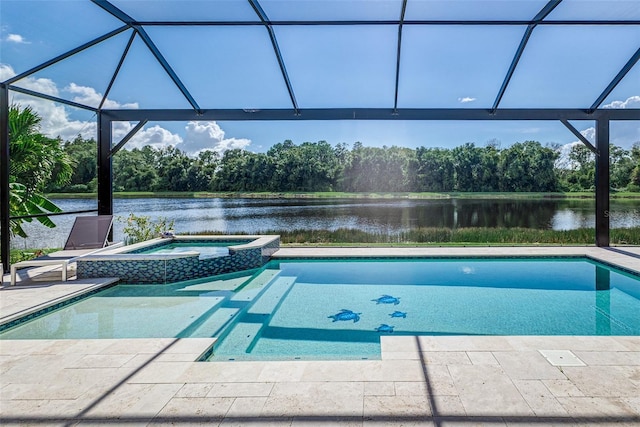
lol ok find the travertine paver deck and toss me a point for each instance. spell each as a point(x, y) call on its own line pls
point(439, 381)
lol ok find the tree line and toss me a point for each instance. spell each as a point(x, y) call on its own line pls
point(318, 166)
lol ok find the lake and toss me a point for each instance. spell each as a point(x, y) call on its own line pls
point(381, 215)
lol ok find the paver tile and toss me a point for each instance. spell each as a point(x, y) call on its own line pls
point(195, 390)
point(446, 358)
point(603, 358)
point(539, 398)
point(464, 343)
point(527, 365)
point(482, 358)
point(315, 399)
point(193, 411)
point(563, 388)
point(134, 401)
point(379, 388)
point(222, 372)
point(283, 371)
point(103, 361)
point(601, 410)
point(488, 390)
point(347, 370)
point(247, 407)
point(407, 410)
point(604, 381)
point(161, 372)
point(240, 389)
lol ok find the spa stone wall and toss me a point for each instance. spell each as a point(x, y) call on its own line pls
point(146, 268)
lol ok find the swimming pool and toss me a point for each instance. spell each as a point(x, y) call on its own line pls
point(327, 309)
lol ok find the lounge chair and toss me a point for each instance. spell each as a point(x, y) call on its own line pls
point(88, 235)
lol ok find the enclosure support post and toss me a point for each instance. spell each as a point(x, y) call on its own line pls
point(602, 182)
point(4, 179)
point(105, 173)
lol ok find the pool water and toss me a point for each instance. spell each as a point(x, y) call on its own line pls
point(327, 309)
point(205, 249)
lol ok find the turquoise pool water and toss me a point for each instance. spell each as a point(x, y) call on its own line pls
point(314, 309)
point(205, 249)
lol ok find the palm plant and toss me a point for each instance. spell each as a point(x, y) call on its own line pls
point(36, 161)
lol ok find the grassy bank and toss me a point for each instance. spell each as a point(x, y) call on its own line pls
point(460, 236)
point(342, 195)
point(424, 237)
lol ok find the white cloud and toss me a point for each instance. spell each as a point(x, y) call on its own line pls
point(89, 96)
point(563, 161)
point(45, 86)
point(56, 120)
point(623, 133)
point(202, 136)
point(155, 136)
point(16, 38)
point(466, 99)
point(631, 102)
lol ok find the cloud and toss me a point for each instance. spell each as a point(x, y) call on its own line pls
point(466, 99)
point(155, 136)
point(89, 96)
point(16, 38)
point(55, 118)
point(202, 136)
point(563, 161)
point(631, 102)
point(41, 85)
point(623, 133)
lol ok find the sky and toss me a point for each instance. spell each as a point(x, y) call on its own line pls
point(339, 66)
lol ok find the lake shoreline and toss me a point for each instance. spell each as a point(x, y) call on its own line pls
point(341, 195)
point(362, 219)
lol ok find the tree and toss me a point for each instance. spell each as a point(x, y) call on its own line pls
point(432, 170)
point(467, 166)
point(135, 170)
point(36, 161)
point(622, 165)
point(528, 166)
point(373, 169)
point(634, 180)
point(582, 167)
point(311, 166)
point(83, 153)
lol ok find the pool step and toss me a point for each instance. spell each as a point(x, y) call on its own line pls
point(219, 317)
point(237, 341)
point(254, 286)
point(273, 296)
point(214, 323)
point(242, 336)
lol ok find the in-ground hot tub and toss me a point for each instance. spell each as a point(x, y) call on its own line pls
point(178, 258)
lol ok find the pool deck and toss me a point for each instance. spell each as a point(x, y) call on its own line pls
point(426, 381)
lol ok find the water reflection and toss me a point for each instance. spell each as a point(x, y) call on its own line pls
point(382, 216)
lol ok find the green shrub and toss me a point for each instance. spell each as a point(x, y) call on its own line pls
point(141, 228)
